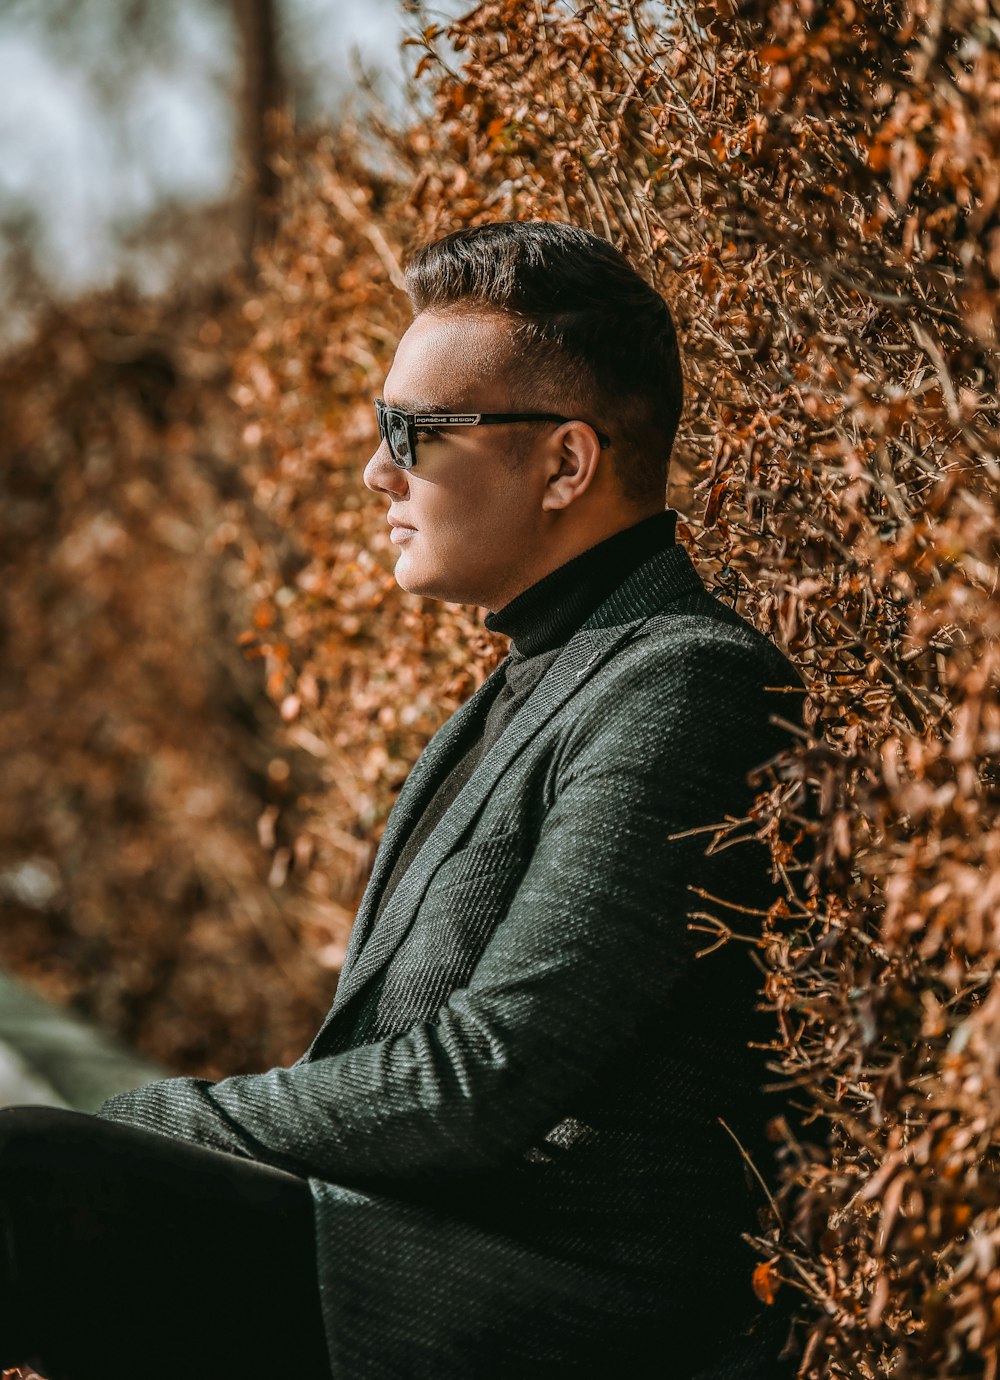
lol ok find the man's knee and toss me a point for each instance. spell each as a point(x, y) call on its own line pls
point(28, 1135)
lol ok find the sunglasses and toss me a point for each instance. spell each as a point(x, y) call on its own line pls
point(399, 429)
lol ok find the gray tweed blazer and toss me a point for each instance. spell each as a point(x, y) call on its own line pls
point(513, 1119)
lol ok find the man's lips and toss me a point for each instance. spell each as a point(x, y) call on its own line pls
point(401, 531)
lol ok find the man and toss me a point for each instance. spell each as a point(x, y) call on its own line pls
point(522, 1129)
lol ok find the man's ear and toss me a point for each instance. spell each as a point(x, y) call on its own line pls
point(573, 455)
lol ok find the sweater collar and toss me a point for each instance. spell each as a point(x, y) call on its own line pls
point(547, 613)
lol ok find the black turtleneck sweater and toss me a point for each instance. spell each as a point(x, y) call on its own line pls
point(539, 621)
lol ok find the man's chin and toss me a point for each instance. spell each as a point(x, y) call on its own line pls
point(413, 580)
point(410, 578)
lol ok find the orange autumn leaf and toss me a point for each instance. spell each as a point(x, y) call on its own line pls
point(765, 1281)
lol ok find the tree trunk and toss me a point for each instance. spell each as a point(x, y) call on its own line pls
point(261, 101)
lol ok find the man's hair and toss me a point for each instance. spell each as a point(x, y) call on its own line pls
point(590, 333)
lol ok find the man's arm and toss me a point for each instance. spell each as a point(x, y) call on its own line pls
point(590, 947)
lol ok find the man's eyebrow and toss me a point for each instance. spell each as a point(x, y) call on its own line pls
point(420, 406)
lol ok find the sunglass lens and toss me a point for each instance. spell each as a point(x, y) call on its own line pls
point(398, 437)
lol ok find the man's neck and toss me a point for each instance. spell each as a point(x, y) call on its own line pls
point(562, 544)
point(551, 609)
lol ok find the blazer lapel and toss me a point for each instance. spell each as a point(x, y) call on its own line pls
point(668, 576)
point(579, 659)
point(418, 788)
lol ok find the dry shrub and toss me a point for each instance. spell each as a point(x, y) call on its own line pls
point(138, 745)
point(815, 189)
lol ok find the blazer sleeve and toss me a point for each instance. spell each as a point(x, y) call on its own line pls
point(590, 947)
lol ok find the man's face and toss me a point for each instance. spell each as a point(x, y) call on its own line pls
point(473, 518)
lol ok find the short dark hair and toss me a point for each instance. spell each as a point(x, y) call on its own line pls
point(587, 321)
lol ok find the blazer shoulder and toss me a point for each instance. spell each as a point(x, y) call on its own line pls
point(686, 673)
point(703, 634)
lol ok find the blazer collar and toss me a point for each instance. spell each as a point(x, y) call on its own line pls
point(666, 577)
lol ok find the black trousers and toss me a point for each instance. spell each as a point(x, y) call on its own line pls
point(127, 1255)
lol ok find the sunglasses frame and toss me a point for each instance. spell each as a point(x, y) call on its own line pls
point(419, 421)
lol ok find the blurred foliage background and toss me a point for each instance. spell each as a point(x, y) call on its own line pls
point(212, 688)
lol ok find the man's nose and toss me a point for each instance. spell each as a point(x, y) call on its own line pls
point(382, 475)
